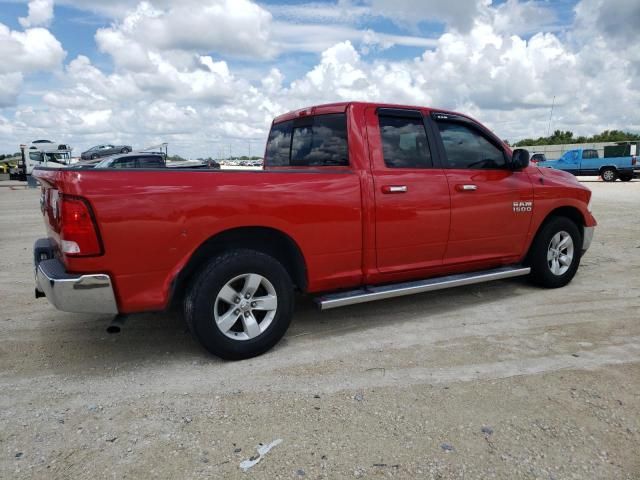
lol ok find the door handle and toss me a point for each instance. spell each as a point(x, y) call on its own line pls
point(469, 187)
point(394, 189)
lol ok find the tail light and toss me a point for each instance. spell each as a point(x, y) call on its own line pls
point(634, 160)
point(78, 231)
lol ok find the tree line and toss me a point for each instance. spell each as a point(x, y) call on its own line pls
point(561, 137)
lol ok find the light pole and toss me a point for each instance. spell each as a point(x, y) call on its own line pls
point(551, 115)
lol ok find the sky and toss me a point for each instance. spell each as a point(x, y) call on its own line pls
point(208, 76)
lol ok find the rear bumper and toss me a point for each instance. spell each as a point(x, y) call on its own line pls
point(81, 293)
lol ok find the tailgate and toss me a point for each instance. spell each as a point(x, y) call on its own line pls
point(49, 201)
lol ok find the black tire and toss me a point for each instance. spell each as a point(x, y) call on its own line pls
point(125, 150)
point(626, 178)
point(541, 273)
point(200, 302)
point(609, 174)
point(94, 156)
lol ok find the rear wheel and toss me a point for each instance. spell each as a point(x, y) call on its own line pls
point(240, 305)
point(125, 150)
point(626, 178)
point(609, 175)
point(555, 254)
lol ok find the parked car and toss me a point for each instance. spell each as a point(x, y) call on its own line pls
point(104, 150)
point(48, 146)
point(370, 201)
point(133, 160)
point(586, 161)
point(538, 157)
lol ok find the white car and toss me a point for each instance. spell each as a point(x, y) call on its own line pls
point(48, 146)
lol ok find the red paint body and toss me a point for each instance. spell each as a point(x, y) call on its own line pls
point(349, 228)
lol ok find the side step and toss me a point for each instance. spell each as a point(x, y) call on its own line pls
point(372, 293)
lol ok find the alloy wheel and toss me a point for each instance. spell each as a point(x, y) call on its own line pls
point(245, 306)
point(560, 253)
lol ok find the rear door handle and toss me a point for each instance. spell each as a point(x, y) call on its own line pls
point(469, 187)
point(394, 189)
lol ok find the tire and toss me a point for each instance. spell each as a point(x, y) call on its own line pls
point(94, 156)
point(125, 150)
point(546, 272)
point(609, 174)
point(231, 273)
point(626, 178)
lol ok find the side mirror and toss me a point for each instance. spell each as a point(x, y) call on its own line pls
point(520, 159)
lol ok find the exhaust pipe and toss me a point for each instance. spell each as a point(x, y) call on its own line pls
point(116, 324)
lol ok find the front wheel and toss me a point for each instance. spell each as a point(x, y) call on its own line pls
point(555, 253)
point(125, 150)
point(240, 305)
point(609, 175)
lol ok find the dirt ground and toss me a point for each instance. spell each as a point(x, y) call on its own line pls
point(502, 380)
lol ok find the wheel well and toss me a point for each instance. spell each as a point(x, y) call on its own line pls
point(608, 167)
point(571, 213)
point(266, 240)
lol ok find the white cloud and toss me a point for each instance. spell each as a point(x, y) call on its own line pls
point(233, 27)
point(502, 64)
point(32, 50)
point(10, 85)
point(40, 14)
point(22, 53)
point(459, 14)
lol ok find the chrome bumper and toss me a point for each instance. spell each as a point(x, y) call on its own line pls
point(83, 293)
point(588, 237)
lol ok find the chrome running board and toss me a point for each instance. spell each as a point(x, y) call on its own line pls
point(372, 293)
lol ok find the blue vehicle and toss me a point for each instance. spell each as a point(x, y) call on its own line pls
point(586, 161)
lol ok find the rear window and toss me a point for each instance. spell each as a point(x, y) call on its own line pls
point(318, 141)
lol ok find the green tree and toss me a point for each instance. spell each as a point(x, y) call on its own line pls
point(562, 137)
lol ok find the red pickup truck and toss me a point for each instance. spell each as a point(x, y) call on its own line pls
point(357, 202)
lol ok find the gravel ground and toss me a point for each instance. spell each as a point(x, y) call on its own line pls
point(502, 380)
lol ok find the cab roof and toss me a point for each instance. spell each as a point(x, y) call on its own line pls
point(341, 107)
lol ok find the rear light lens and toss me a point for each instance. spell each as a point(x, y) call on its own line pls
point(78, 232)
point(634, 160)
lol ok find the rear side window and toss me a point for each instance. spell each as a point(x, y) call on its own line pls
point(150, 162)
point(126, 162)
point(404, 142)
point(467, 148)
point(278, 150)
point(587, 154)
point(318, 141)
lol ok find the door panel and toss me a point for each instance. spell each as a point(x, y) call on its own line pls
point(491, 205)
point(570, 162)
point(492, 220)
point(412, 206)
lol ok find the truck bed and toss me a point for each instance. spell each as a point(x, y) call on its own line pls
point(151, 221)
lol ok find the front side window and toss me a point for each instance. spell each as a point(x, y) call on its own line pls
point(404, 142)
point(309, 142)
point(467, 148)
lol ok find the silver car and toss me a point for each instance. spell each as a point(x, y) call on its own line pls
point(104, 151)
